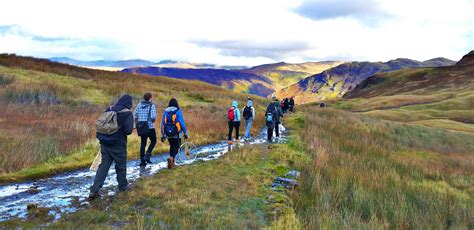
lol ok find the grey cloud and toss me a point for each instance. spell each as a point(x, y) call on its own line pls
point(366, 11)
point(246, 48)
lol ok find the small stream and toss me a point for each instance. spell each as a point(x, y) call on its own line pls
point(67, 192)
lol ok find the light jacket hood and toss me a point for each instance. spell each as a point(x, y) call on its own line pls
point(249, 103)
point(171, 109)
point(235, 104)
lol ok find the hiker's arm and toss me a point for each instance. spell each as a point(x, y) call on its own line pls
point(153, 113)
point(180, 118)
point(135, 115)
point(253, 112)
point(128, 124)
point(162, 125)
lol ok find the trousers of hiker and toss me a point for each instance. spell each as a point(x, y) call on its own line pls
point(145, 117)
point(273, 115)
point(113, 147)
point(249, 114)
point(233, 116)
point(173, 128)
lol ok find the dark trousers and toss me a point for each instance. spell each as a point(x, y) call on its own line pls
point(117, 154)
point(152, 135)
point(270, 131)
point(175, 143)
point(232, 125)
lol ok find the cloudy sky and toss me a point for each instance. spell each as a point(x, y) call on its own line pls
point(240, 32)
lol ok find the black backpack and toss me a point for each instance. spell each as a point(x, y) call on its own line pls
point(142, 126)
point(247, 112)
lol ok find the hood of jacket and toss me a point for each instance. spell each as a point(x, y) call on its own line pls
point(249, 103)
point(125, 102)
point(144, 104)
point(171, 109)
point(235, 104)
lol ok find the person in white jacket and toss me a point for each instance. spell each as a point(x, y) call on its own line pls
point(248, 114)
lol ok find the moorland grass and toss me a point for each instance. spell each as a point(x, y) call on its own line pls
point(368, 173)
point(46, 117)
point(232, 192)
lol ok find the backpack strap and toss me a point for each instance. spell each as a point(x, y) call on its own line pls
point(149, 112)
point(123, 110)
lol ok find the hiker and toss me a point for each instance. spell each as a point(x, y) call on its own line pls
point(286, 105)
point(292, 104)
point(233, 116)
point(272, 115)
point(145, 116)
point(173, 128)
point(113, 127)
point(249, 114)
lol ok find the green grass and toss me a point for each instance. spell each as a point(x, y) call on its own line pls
point(232, 192)
point(63, 108)
point(368, 173)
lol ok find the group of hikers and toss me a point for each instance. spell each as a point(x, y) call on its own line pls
point(288, 105)
point(118, 121)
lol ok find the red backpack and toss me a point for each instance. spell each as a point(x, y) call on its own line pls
point(231, 114)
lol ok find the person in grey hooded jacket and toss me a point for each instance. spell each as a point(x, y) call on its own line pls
point(235, 123)
point(249, 114)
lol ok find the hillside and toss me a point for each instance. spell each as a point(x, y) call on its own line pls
point(284, 74)
point(440, 97)
point(231, 79)
point(49, 111)
point(337, 81)
point(260, 80)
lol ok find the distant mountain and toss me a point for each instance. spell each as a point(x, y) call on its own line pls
point(103, 63)
point(231, 79)
point(284, 74)
point(339, 80)
point(468, 59)
point(420, 81)
point(122, 64)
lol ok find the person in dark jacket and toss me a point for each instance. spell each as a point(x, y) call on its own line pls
point(276, 112)
point(114, 147)
point(173, 118)
point(292, 105)
point(286, 105)
point(146, 111)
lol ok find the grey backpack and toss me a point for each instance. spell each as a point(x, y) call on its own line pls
point(107, 122)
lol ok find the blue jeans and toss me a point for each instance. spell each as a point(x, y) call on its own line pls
point(248, 126)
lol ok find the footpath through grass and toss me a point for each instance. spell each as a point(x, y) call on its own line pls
point(232, 192)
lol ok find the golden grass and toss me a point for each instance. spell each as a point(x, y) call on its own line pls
point(47, 117)
point(232, 192)
point(368, 173)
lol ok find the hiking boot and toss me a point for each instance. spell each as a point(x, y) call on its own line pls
point(142, 164)
point(230, 142)
point(147, 158)
point(92, 196)
point(170, 162)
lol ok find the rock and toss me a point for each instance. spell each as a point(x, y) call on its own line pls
point(31, 206)
point(293, 174)
point(286, 182)
point(33, 190)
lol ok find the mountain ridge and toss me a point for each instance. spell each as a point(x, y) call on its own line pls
point(337, 81)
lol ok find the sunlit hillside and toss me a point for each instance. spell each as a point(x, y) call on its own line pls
point(337, 81)
point(49, 112)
